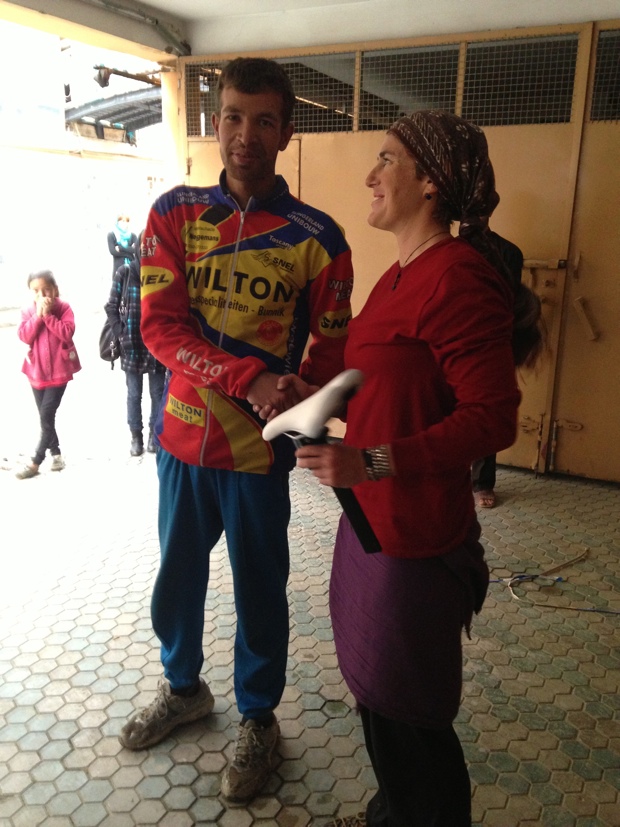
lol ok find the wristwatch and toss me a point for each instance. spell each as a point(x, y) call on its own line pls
point(377, 462)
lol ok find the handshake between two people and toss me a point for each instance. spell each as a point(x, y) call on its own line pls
point(290, 406)
point(271, 394)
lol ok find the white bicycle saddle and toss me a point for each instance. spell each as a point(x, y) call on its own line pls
point(308, 418)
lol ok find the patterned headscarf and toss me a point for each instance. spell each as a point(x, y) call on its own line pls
point(455, 156)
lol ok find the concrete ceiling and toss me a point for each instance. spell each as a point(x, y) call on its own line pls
point(242, 25)
point(235, 26)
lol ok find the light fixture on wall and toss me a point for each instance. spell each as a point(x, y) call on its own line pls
point(104, 72)
point(103, 76)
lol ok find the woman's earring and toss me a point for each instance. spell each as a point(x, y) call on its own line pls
point(428, 196)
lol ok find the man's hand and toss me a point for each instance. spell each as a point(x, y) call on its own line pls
point(271, 394)
point(340, 466)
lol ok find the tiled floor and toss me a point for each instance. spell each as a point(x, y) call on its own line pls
point(540, 720)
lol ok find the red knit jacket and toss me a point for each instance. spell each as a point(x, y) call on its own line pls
point(440, 387)
point(52, 359)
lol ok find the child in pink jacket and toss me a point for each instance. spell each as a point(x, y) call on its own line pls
point(47, 326)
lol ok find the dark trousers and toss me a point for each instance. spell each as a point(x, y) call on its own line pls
point(422, 776)
point(135, 384)
point(483, 473)
point(48, 400)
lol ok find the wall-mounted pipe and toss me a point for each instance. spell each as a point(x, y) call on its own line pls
point(179, 47)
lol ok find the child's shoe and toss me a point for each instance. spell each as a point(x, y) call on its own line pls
point(27, 472)
point(58, 463)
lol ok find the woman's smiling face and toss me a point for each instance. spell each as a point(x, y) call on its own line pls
point(396, 188)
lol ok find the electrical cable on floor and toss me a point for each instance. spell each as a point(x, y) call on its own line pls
point(516, 579)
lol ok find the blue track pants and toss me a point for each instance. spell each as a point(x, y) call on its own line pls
point(195, 506)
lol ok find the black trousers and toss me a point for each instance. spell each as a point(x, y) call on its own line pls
point(484, 473)
point(422, 776)
point(48, 400)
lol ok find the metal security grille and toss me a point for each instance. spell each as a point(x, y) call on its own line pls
point(200, 98)
point(396, 82)
point(325, 90)
point(606, 93)
point(324, 86)
point(520, 81)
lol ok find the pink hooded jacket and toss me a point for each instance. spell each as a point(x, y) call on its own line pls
point(52, 359)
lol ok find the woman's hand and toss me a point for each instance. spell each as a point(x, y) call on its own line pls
point(340, 466)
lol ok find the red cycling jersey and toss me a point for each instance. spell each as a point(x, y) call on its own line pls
point(227, 294)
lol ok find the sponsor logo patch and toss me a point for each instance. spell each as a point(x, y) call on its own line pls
point(269, 332)
point(153, 279)
point(334, 324)
point(199, 237)
point(186, 413)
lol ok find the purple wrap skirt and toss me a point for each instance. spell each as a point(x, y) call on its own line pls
point(398, 626)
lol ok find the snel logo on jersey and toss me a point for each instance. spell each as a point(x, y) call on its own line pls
point(335, 324)
point(153, 279)
point(267, 259)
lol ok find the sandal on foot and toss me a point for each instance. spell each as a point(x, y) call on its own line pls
point(485, 499)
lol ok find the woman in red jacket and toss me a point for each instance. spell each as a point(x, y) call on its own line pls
point(47, 326)
point(435, 344)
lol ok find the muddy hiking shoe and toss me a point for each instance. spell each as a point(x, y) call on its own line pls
point(157, 720)
point(252, 760)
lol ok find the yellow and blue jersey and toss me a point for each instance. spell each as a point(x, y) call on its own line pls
point(227, 294)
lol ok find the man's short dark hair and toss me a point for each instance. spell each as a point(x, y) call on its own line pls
point(252, 75)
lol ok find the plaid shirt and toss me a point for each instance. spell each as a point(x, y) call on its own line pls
point(123, 309)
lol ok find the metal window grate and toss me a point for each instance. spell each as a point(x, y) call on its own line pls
point(325, 89)
point(606, 93)
point(396, 82)
point(520, 81)
point(324, 86)
point(200, 99)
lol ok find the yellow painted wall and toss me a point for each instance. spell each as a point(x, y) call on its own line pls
point(587, 403)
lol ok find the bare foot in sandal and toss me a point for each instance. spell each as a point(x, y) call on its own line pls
point(485, 499)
